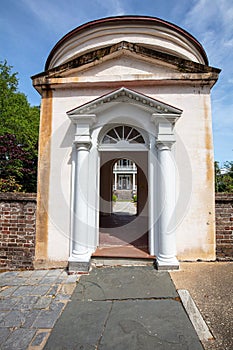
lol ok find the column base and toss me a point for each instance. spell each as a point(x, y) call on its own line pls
point(79, 263)
point(167, 264)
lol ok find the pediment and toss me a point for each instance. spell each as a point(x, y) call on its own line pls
point(124, 65)
point(128, 96)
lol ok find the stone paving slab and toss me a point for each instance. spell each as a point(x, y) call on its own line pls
point(128, 324)
point(80, 327)
point(124, 308)
point(30, 304)
point(135, 282)
point(149, 324)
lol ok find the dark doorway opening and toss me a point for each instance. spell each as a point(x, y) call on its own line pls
point(123, 229)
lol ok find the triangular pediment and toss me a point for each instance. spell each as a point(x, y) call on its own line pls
point(125, 95)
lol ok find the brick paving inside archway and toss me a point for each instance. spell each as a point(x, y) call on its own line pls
point(123, 233)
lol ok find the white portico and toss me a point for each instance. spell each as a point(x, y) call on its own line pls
point(155, 123)
point(135, 88)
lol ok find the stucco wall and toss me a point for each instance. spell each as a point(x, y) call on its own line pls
point(193, 150)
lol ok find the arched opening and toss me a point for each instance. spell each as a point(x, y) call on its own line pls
point(123, 222)
point(123, 229)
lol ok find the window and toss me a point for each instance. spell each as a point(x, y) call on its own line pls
point(123, 133)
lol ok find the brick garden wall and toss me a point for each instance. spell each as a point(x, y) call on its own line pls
point(17, 230)
point(224, 226)
point(18, 226)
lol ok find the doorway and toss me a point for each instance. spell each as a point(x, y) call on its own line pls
point(123, 228)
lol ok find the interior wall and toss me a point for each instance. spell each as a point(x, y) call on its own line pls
point(106, 188)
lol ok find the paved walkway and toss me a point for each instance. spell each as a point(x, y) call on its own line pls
point(124, 208)
point(124, 308)
point(30, 304)
point(137, 307)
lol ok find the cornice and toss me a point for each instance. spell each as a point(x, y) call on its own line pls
point(182, 65)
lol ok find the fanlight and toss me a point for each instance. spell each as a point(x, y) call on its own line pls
point(123, 134)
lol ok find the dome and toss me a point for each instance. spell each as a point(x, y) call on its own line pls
point(149, 32)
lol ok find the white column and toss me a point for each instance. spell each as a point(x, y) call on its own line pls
point(133, 181)
point(80, 251)
point(166, 258)
point(115, 181)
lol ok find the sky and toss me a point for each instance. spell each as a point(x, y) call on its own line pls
point(30, 28)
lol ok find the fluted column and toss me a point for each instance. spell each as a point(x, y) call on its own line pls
point(166, 258)
point(166, 191)
point(80, 221)
point(80, 251)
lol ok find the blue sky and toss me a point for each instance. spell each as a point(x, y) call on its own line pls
point(30, 28)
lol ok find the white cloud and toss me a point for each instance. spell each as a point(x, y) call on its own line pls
point(56, 16)
point(112, 7)
point(211, 21)
point(61, 16)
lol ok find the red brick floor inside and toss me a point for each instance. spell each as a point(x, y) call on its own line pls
point(123, 233)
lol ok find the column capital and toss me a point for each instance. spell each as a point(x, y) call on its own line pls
point(83, 119)
point(164, 145)
point(82, 145)
point(170, 118)
point(83, 123)
point(165, 130)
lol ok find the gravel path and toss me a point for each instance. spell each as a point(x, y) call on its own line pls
point(211, 287)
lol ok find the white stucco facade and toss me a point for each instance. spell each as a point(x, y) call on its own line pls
point(139, 72)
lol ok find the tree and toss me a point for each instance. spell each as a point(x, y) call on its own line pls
point(224, 177)
point(19, 129)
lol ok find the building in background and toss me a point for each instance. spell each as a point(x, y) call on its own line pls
point(125, 175)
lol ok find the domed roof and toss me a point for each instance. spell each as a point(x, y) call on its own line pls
point(150, 32)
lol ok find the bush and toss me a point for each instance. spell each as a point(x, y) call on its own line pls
point(18, 167)
point(9, 185)
point(135, 198)
point(114, 197)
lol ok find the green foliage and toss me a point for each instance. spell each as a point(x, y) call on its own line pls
point(20, 124)
point(18, 164)
point(114, 197)
point(10, 185)
point(224, 181)
point(135, 198)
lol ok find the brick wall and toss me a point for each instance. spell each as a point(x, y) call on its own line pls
point(224, 226)
point(17, 230)
point(18, 225)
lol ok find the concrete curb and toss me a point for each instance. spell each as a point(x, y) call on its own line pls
point(194, 315)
